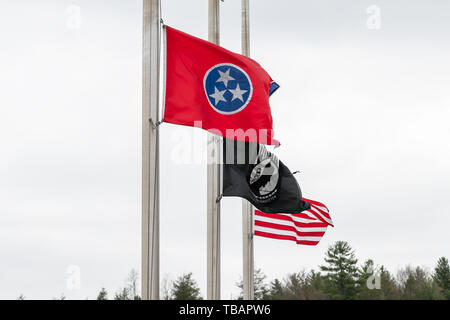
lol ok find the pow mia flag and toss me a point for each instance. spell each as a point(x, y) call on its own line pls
point(251, 172)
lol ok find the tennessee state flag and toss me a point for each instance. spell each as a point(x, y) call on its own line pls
point(218, 90)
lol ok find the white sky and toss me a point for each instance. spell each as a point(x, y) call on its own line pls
point(362, 113)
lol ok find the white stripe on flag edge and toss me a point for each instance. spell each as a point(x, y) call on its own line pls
point(287, 233)
point(324, 209)
point(291, 224)
point(313, 219)
point(328, 220)
point(309, 213)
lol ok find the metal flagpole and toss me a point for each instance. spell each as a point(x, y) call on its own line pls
point(213, 183)
point(247, 208)
point(150, 150)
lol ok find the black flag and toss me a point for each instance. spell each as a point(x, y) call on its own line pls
point(253, 173)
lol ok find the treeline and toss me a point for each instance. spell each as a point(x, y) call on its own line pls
point(340, 277)
point(184, 288)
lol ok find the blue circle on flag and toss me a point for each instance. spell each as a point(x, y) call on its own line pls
point(228, 88)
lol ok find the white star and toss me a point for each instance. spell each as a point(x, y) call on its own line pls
point(218, 95)
point(238, 93)
point(225, 77)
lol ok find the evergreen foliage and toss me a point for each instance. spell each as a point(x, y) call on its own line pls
point(185, 288)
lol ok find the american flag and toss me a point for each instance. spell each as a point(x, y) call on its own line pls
point(306, 228)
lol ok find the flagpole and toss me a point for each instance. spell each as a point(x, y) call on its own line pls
point(247, 208)
point(150, 149)
point(213, 181)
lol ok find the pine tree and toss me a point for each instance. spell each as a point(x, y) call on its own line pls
point(341, 271)
point(315, 286)
point(389, 287)
point(186, 288)
point(102, 295)
point(276, 291)
point(369, 282)
point(442, 276)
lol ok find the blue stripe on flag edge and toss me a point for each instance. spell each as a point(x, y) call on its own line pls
point(273, 87)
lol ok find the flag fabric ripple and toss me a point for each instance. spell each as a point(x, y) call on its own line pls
point(251, 172)
point(306, 228)
point(218, 90)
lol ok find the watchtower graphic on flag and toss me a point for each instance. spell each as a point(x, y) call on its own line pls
point(251, 172)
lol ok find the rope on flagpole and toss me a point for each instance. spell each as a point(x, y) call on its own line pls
point(155, 125)
point(160, 14)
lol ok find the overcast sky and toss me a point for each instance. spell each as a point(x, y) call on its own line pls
point(362, 112)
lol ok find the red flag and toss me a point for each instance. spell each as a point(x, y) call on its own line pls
point(221, 91)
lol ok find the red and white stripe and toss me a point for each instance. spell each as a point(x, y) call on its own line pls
point(306, 228)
